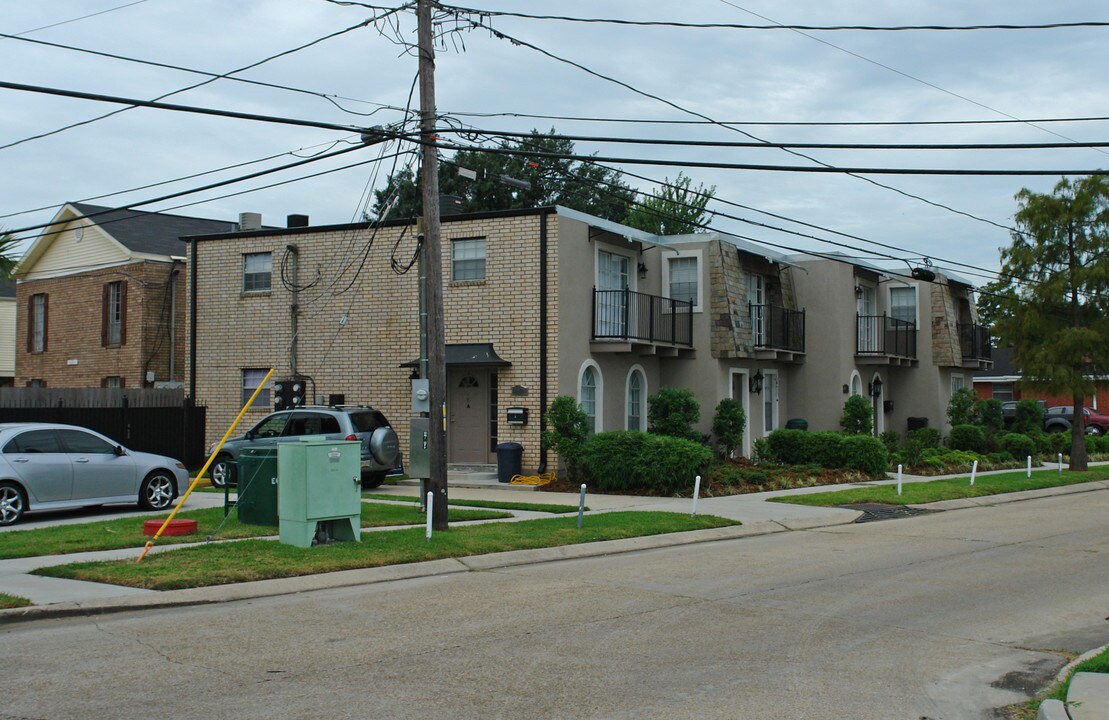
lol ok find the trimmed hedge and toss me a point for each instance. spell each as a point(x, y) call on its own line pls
point(1017, 445)
point(967, 437)
point(635, 460)
point(829, 449)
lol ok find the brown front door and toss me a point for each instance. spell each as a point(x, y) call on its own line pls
point(468, 416)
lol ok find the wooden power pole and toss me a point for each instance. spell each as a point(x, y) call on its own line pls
point(433, 265)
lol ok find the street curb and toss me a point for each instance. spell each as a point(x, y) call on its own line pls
point(474, 563)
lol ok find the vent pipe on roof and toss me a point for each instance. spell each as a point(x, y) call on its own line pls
point(296, 221)
point(250, 221)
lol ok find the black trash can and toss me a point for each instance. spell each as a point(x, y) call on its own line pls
point(917, 423)
point(510, 458)
point(797, 424)
point(257, 503)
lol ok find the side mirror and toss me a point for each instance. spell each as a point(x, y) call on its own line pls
point(119, 450)
point(249, 434)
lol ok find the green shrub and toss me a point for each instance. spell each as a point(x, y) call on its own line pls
point(1102, 443)
point(1060, 443)
point(857, 416)
point(1017, 445)
point(967, 437)
point(568, 429)
point(789, 447)
point(734, 476)
point(1028, 418)
point(826, 449)
point(960, 409)
point(896, 458)
point(1001, 458)
point(633, 460)
point(927, 437)
point(761, 451)
point(961, 458)
point(891, 439)
point(864, 453)
point(727, 426)
point(988, 413)
point(674, 411)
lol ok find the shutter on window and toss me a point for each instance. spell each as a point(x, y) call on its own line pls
point(45, 324)
point(30, 326)
point(123, 313)
point(105, 296)
point(104, 382)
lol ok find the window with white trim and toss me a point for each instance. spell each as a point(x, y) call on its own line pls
point(683, 279)
point(903, 304)
point(588, 397)
point(468, 259)
point(257, 271)
point(637, 385)
point(252, 378)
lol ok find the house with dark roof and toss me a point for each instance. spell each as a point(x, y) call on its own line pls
point(1003, 382)
point(100, 299)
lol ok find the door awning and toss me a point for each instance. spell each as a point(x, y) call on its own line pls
point(479, 354)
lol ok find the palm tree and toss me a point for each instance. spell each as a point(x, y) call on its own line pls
point(8, 259)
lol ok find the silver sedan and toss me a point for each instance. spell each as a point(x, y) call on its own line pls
point(45, 466)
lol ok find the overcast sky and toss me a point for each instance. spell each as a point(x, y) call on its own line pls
point(737, 75)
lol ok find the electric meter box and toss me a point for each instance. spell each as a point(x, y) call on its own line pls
point(419, 459)
point(319, 490)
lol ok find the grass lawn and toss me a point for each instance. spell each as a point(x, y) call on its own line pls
point(948, 489)
point(127, 532)
point(496, 504)
point(12, 601)
point(223, 563)
point(1099, 664)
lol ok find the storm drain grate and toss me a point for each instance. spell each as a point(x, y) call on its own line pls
point(874, 512)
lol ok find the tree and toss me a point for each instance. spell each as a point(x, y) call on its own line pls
point(8, 261)
point(990, 301)
point(857, 416)
point(569, 429)
point(1057, 321)
point(579, 185)
point(674, 411)
point(727, 426)
point(960, 409)
point(674, 209)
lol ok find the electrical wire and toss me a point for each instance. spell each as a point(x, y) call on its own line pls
point(82, 17)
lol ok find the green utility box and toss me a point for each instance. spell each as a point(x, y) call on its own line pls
point(257, 486)
point(320, 490)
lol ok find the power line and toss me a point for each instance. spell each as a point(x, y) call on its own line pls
point(822, 168)
point(637, 91)
point(206, 82)
point(82, 17)
point(807, 145)
point(739, 26)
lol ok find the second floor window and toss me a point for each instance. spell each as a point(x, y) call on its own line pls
point(36, 328)
point(683, 279)
point(903, 304)
point(257, 271)
point(113, 321)
point(468, 260)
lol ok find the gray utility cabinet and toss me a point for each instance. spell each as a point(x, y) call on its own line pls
point(319, 490)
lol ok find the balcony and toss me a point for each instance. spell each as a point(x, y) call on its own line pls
point(777, 332)
point(974, 345)
point(883, 340)
point(622, 318)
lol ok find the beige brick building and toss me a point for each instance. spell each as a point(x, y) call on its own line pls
point(549, 301)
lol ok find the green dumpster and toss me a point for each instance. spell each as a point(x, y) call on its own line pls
point(257, 487)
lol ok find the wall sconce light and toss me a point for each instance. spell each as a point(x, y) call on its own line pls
point(755, 383)
point(642, 271)
point(858, 291)
point(846, 389)
point(876, 387)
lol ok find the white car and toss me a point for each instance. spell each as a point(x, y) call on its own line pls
point(46, 466)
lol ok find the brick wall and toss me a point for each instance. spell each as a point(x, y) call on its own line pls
point(358, 320)
point(74, 328)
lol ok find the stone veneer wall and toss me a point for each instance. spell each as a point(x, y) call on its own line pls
point(74, 324)
point(945, 333)
point(361, 356)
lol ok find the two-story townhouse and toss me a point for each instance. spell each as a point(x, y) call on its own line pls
point(100, 299)
point(907, 341)
point(537, 303)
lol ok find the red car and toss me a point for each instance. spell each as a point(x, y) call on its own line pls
point(1058, 419)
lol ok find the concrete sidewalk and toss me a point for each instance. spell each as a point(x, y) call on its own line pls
point(55, 597)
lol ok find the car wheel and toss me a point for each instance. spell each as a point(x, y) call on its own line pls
point(158, 491)
point(221, 472)
point(12, 503)
point(371, 480)
point(1093, 430)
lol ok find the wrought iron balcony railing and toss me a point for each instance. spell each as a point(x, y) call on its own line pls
point(778, 328)
point(884, 335)
point(628, 315)
point(974, 342)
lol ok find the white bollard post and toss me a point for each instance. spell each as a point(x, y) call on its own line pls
point(430, 512)
point(1060, 463)
point(581, 505)
point(1029, 466)
point(899, 481)
point(973, 472)
point(696, 492)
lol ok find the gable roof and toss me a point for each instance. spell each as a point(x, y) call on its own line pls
point(150, 233)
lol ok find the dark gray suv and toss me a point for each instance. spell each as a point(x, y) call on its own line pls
point(380, 447)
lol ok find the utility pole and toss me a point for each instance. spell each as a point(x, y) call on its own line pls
point(433, 266)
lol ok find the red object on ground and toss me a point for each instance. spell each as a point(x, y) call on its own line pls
point(175, 527)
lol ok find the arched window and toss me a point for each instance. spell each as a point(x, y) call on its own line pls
point(587, 396)
point(636, 400)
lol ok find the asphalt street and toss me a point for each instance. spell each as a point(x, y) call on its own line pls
point(946, 615)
